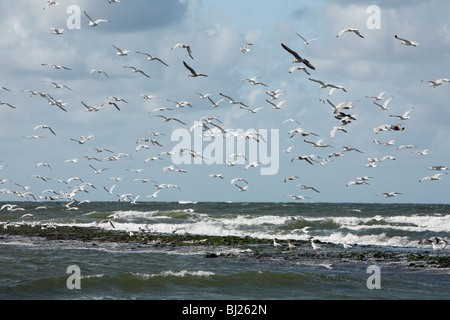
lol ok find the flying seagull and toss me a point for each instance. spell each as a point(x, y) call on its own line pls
point(306, 42)
point(298, 59)
point(44, 126)
point(356, 31)
point(136, 70)
point(152, 58)
point(55, 66)
point(99, 71)
point(292, 69)
point(121, 52)
point(167, 119)
point(407, 42)
point(193, 73)
point(246, 47)
point(185, 46)
point(95, 23)
point(325, 85)
point(49, 3)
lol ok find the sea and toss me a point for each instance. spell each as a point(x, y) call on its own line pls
point(39, 269)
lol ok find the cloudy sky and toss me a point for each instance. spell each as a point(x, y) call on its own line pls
point(215, 31)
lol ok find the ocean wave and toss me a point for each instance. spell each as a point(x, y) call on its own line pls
point(170, 273)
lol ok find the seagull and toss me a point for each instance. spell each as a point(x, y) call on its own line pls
point(185, 46)
point(404, 116)
point(105, 221)
point(383, 127)
point(305, 187)
point(193, 73)
point(232, 101)
point(379, 97)
point(288, 150)
point(152, 58)
point(290, 178)
point(95, 23)
point(436, 83)
point(432, 178)
point(167, 119)
point(357, 183)
point(50, 3)
point(423, 152)
point(59, 86)
point(306, 42)
point(242, 189)
point(57, 31)
point(277, 105)
point(99, 170)
point(251, 165)
point(44, 126)
point(318, 143)
point(276, 244)
point(356, 31)
point(121, 52)
point(306, 158)
point(238, 179)
point(315, 245)
point(4, 88)
point(99, 71)
point(246, 47)
point(325, 85)
point(136, 70)
point(215, 175)
point(390, 194)
point(294, 197)
point(407, 42)
point(384, 105)
point(215, 104)
point(292, 69)
point(290, 120)
point(8, 104)
point(291, 246)
point(55, 66)
point(298, 59)
point(438, 243)
point(335, 129)
point(438, 168)
point(110, 189)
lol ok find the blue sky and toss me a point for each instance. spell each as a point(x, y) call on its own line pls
point(215, 31)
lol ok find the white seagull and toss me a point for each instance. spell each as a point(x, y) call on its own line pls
point(326, 85)
point(95, 23)
point(136, 70)
point(292, 69)
point(185, 46)
point(306, 42)
point(57, 31)
point(121, 52)
point(355, 31)
point(384, 105)
point(99, 71)
point(44, 126)
point(152, 58)
point(407, 42)
point(404, 116)
point(432, 178)
point(50, 3)
point(246, 47)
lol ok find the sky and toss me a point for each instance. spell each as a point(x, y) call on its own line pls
point(216, 31)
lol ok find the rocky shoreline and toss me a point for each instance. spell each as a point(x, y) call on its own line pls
point(260, 249)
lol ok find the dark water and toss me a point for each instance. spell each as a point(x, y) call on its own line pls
point(37, 269)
